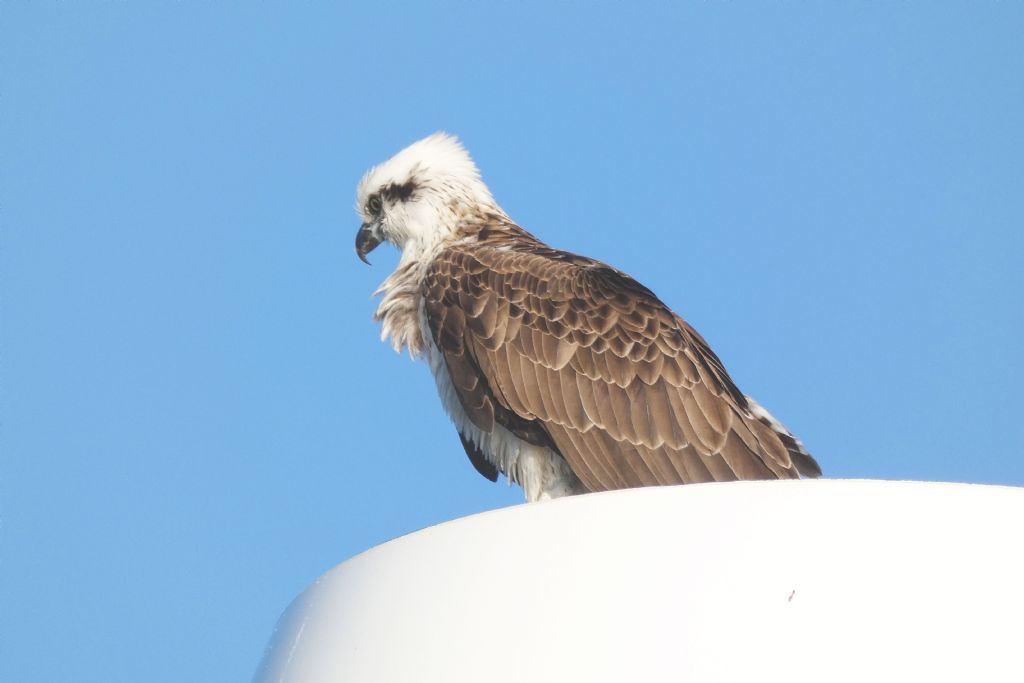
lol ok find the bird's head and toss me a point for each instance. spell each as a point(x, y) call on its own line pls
point(417, 197)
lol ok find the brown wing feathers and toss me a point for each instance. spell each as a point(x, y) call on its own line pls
point(568, 352)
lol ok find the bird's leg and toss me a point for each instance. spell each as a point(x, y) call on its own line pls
point(545, 475)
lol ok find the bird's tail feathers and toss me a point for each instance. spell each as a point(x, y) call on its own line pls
point(804, 462)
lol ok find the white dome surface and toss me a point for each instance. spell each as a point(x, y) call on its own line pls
point(781, 581)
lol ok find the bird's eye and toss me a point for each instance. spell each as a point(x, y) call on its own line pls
point(373, 205)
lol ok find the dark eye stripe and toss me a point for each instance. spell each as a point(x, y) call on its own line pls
point(399, 193)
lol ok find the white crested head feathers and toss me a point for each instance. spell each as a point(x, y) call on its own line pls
point(416, 197)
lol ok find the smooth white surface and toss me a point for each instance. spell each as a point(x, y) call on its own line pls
point(788, 581)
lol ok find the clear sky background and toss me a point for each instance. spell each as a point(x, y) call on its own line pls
point(198, 418)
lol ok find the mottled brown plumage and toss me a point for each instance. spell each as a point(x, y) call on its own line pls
point(558, 371)
point(569, 353)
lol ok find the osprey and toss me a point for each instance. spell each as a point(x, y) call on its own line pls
point(559, 371)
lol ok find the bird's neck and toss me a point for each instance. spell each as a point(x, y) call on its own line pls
point(423, 245)
point(399, 310)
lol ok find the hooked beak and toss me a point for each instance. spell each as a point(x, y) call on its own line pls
point(366, 241)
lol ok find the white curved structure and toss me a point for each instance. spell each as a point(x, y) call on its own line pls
point(779, 581)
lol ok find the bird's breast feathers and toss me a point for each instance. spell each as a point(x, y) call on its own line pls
point(558, 370)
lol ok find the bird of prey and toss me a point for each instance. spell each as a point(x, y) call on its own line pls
point(559, 371)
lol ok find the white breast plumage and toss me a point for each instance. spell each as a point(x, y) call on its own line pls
point(558, 370)
point(403, 320)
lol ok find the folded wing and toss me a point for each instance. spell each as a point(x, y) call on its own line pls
point(567, 352)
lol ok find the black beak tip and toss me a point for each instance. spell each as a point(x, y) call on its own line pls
point(366, 241)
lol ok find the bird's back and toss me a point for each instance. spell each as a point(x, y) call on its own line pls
point(578, 356)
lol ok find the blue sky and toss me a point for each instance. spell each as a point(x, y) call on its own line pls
point(198, 418)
